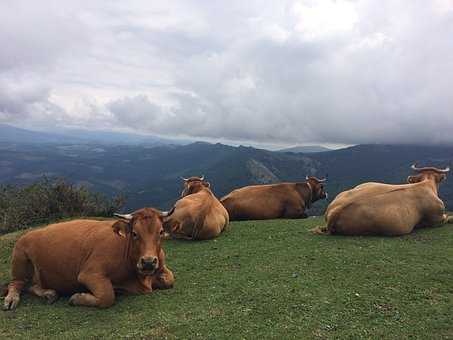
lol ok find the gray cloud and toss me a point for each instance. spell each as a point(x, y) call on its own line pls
point(273, 72)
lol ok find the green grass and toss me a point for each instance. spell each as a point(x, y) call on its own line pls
point(272, 280)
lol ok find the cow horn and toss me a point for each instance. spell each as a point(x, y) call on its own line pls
point(184, 179)
point(431, 168)
point(317, 179)
point(414, 167)
point(124, 216)
point(202, 178)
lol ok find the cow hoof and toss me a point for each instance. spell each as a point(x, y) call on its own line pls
point(11, 302)
point(51, 296)
point(320, 230)
point(74, 300)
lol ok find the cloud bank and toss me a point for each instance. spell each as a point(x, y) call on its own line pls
point(266, 72)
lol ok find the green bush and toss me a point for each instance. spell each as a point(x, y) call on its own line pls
point(47, 201)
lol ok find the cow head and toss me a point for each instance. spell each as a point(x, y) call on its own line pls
point(193, 185)
point(317, 188)
point(431, 173)
point(143, 232)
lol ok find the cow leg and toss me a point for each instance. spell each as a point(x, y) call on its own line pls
point(36, 288)
point(22, 271)
point(181, 236)
point(102, 294)
point(207, 233)
point(166, 236)
point(177, 232)
point(447, 219)
point(321, 230)
point(49, 294)
point(434, 220)
point(164, 279)
point(294, 212)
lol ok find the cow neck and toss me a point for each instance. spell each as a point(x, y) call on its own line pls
point(306, 198)
point(208, 190)
point(310, 190)
point(202, 189)
point(432, 183)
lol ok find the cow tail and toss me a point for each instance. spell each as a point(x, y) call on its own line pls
point(330, 227)
point(227, 221)
point(201, 218)
point(198, 225)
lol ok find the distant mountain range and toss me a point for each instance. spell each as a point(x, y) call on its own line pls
point(12, 134)
point(151, 175)
point(306, 149)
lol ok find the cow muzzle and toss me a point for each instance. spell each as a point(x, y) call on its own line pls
point(323, 195)
point(148, 265)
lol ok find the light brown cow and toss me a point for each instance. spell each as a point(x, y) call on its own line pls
point(384, 209)
point(90, 259)
point(282, 200)
point(198, 215)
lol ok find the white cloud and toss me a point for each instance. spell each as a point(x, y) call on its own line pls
point(317, 19)
point(269, 72)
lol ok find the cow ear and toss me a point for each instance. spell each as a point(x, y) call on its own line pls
point(120, 228)
point(206, 184)
point(413, 179)
point(442, 177)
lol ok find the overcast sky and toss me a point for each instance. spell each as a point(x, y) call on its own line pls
point(276, 72)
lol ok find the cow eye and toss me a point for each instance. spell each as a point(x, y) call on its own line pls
point(134, 235)
point(161, 232)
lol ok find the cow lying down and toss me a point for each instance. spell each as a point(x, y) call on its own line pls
point(198, 215)
point(91, 260)
point(385, 209)
point(269, 201)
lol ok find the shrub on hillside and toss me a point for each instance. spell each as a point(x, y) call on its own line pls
point(47, 201)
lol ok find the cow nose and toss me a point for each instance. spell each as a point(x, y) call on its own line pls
point(149, 263)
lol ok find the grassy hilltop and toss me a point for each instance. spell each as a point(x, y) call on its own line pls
point(272, 280)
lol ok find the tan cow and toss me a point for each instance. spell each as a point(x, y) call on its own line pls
point(384, 209)
point(198, 215)
point(90, 259)
point(282, 200)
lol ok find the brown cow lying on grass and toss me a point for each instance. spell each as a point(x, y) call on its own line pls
point(282, 200)
point(198, 215)
point(90, 259)
point(385, 209)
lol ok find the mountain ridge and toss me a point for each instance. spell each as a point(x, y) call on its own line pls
point(151, 175)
